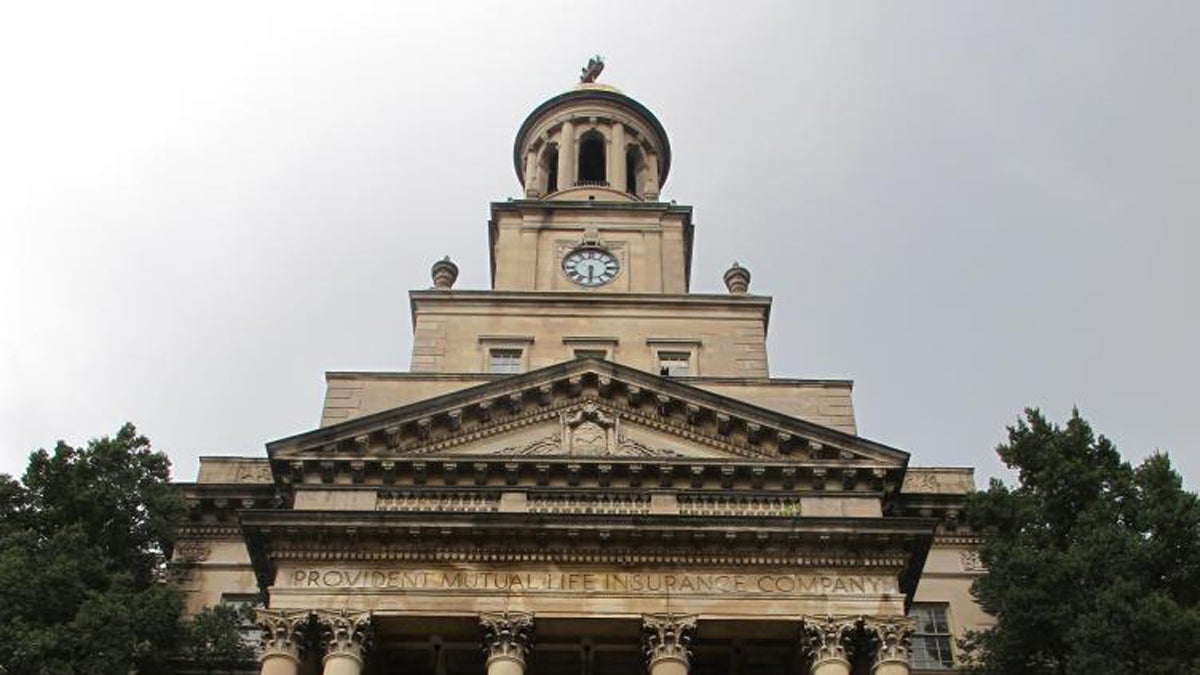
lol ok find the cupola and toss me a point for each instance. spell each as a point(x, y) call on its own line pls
point(592, 143)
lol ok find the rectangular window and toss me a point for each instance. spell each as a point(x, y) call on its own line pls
point(932, 639)
point(504, 361)
point(591, 354)
point(674, 364)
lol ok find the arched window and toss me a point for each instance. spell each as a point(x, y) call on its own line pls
point(550, 168)
point(591, 159)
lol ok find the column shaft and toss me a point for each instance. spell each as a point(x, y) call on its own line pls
point(650, 191)
point(340, 664)
point(531, 174)
point(616, 157)
point(831, 667)
point(566, 156)
point(277, 664)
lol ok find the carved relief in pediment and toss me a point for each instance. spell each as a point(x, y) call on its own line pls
point(586, 431)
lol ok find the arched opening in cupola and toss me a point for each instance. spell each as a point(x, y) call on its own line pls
point(591, 159)
point(549, 169)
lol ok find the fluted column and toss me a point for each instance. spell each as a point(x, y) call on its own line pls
point(281, 647)
point(566, 156)
point(346, 636)
point(507, 638)
point(667, 640)
point(891, 643)
point(829, 642)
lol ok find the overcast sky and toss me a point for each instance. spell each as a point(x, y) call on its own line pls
point(965, 207)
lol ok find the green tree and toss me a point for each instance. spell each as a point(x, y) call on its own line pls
point(211, 643)
point(82, 541)
point(1093, 565)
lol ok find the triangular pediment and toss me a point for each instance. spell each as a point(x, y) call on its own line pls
point(591, 430)
point(587, 409)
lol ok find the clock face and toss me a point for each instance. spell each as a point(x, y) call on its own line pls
point(590, 266)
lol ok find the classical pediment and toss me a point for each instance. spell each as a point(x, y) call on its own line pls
point(586, 409)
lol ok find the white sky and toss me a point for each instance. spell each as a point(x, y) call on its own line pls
point(966, 207)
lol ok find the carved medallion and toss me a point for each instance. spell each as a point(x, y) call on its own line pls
point(590, 439)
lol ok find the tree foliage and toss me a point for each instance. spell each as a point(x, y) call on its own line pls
point(82, 540)
point(1093, 565)
point(209, 644)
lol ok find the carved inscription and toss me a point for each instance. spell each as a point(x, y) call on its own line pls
point(607, 583)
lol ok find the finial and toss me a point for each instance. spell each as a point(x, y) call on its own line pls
point(592, 70)
point(445, 273)
point(737, 279)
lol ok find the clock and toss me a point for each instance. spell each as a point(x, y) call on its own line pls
point(590, 266)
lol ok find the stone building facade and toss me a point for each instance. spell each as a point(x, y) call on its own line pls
point(587, 470)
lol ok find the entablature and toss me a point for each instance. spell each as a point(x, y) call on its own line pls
point(896, 546)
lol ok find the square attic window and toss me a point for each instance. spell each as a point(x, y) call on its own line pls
point(504, 361)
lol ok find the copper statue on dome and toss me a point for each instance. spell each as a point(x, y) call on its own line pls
point(592, 70)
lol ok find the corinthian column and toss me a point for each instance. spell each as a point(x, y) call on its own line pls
point(667, 640)
point(891, 642)
point(829, 642)
point(281, 646)
point(507, 637)
point(346, 637)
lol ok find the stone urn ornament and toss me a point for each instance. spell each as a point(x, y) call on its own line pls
point(737, 279)
point(445, 273)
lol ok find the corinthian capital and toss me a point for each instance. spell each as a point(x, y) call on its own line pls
point(282, 632)
point(891, 637)
point(668, 636)
point(829, 637)
point(345, 633)
point(507, 635)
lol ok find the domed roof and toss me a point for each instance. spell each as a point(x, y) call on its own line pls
point(597, 86)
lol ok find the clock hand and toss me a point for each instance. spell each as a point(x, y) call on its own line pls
point(591, 272)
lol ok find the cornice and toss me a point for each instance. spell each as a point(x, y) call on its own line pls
point(590, 299)
point(388, 375)
point(866, 532)
point(522, 205)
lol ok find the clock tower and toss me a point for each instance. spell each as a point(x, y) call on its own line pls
point(591, 261)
